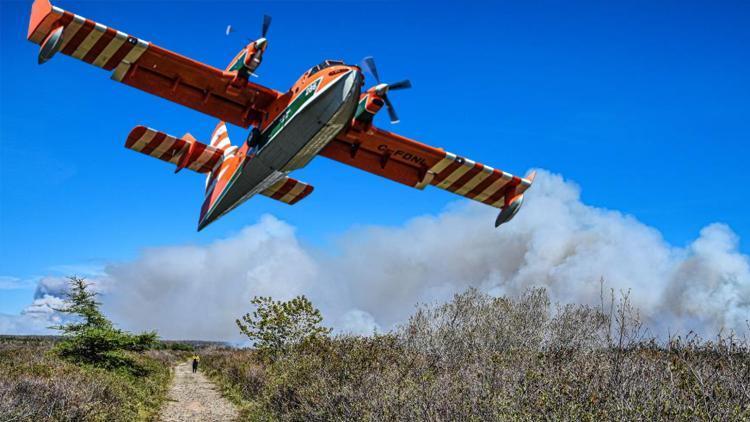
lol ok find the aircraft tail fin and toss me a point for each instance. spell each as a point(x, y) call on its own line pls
point(220, 140)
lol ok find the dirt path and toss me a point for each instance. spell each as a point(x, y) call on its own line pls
point(193, 397)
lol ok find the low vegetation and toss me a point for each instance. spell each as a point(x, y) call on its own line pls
point(476, 357)
point(492, 358)
point(38, 385)
point(94, 372)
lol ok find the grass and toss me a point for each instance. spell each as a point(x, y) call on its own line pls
point(484, 358)
point(37, 385)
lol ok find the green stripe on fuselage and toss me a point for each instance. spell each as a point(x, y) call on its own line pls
point(271, 131)
point(289, 112)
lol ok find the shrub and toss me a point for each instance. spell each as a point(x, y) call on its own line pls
point(479, 357)
point(37, 385)
point(276, 326)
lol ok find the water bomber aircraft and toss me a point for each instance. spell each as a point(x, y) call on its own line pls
point(326, 112)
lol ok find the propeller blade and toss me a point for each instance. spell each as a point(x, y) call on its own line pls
point(391, 111)
point(369, 63)
point(266, 25)
point(399, 85)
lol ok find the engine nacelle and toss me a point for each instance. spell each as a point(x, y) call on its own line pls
point(247, 61)
point(369, 105)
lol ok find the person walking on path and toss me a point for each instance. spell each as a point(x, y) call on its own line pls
point(196, 359)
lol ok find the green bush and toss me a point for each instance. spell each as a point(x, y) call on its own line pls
point(91, 338)
point(276, 326)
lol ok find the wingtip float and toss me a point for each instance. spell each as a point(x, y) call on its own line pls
point(326, 112)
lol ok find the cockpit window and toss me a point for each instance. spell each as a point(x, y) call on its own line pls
point(324, 64)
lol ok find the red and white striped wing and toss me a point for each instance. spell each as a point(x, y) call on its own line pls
point(203, 158)
point(288, 190)
point(150, 68)
point(415, 164)
point(85, 39)
point(475, 180)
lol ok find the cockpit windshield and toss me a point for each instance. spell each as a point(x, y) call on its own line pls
point(324, 64)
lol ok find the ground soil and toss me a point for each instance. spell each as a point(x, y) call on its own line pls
point(193, 397)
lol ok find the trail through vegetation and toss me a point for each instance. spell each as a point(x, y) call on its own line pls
point(193, 397)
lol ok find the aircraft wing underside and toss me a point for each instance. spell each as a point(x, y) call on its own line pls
point(415, 164)
point(148, 67)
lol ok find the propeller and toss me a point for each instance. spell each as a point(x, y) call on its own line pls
point(382, 89)
point(263, 31)
point(253, 49)
point(266, 25)
point(262, 41)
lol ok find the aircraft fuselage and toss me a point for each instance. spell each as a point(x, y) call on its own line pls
point(299, 124)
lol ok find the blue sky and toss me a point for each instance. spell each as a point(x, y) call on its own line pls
point(646, 105)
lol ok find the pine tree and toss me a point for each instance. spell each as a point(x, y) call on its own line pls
point(81, 302)
point(91, 337)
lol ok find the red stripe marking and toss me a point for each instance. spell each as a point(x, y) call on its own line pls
point(155, 141)
point(100, 45)
point(446, 172)
point(194, 155)
point(78, 38)
point(211, 163)
point(65, 19)
point(134, 136)
point(170, 152)
point(283, 190)
point(458, 184)
point(484, 184)
point(307, 191)
point(216, 129)
point(119, 55)
point(193, 163)
point(502, 191)
point(220, 138)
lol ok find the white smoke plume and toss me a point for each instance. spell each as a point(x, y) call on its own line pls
point(41, 314)
point(378, 274)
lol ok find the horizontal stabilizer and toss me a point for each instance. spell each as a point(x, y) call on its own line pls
point(288, 190)
point(183, 152)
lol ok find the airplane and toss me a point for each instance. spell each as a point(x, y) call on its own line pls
point(324, 113)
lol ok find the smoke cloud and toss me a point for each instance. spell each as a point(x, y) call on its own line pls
point(377, 275)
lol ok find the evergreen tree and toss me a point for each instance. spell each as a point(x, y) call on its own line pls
point(91, 337)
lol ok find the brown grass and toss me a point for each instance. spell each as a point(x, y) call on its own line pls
point(36, 385)
point(484, 358)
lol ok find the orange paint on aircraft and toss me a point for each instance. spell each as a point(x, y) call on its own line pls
point(230, 96)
